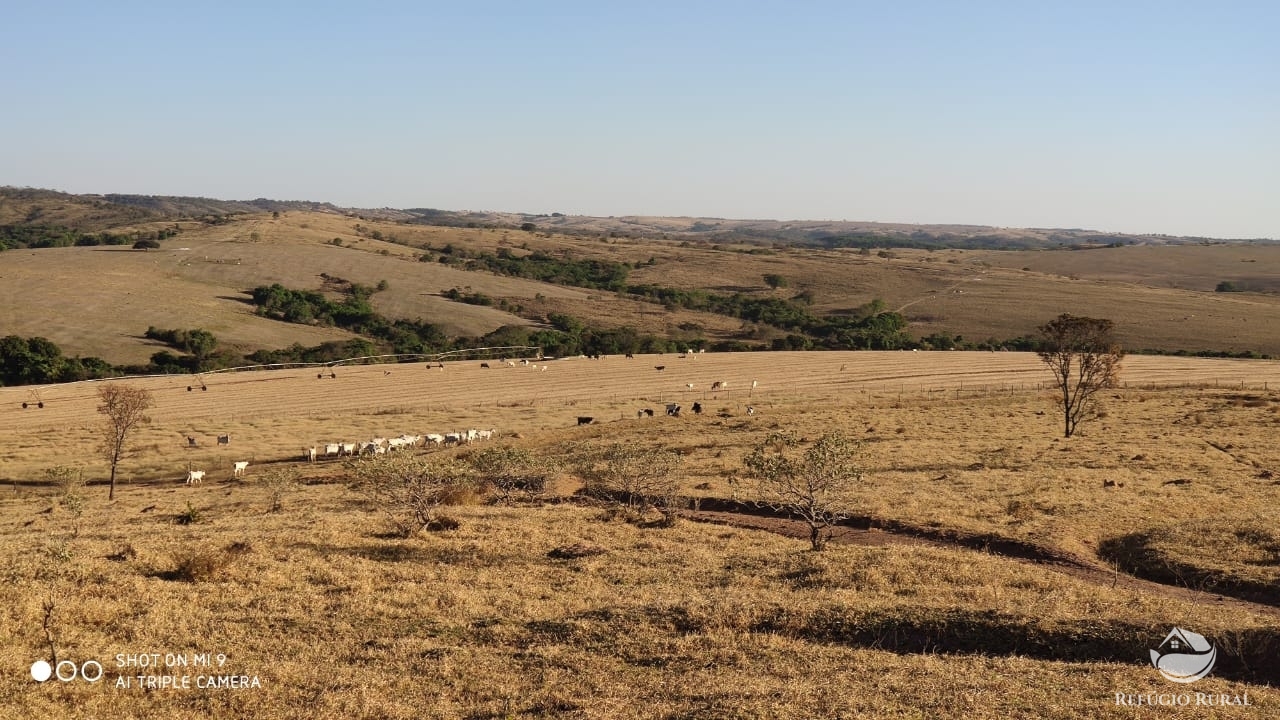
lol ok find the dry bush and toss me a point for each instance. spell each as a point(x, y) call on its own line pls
point(278, 482)
point(511, 470)
point(640, 477)
point(410, 489)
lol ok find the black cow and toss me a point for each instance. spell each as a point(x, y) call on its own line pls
point(659, 368)
point(697, 408)
point(484, 365)
point(585, 420)
point(648, 412)
point(673, 410)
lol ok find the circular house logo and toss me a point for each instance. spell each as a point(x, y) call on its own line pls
point(1184, 656)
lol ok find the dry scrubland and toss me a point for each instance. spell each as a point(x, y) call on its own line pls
point(697, 620)
point(99, 300)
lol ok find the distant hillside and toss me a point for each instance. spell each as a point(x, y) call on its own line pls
point(98, 212)
point(824, 234)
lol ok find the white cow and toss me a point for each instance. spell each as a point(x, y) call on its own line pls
point(486, 434)
point(237, 470)
point(309, 454)
point(348, 449)
point(332, 449)
point(435, 438)
point(194, 476)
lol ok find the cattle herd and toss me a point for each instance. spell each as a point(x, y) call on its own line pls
point(380, 445)
point(375, 446)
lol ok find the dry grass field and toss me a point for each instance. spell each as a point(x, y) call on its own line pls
point(1159, 297)
point(961, 451)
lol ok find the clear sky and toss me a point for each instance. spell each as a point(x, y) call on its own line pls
point(1125, 116)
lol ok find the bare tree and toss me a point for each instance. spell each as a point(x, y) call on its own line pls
point(1084, 357)
point(125, 408)
point(817, 486)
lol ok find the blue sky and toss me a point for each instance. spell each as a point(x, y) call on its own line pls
point(1126, 116)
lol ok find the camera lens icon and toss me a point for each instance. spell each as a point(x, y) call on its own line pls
point(66, 671)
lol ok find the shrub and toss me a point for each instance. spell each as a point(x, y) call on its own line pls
point(278, 482)
point(409, 490)
point(817, 486)
point(189, 516)
point(637, 476)
point(510, 470)
point(146, 245)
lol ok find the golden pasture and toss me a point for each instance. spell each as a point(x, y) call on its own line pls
point(336, 618)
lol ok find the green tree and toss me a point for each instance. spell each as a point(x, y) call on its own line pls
point(1084, 356)
point(817, 486)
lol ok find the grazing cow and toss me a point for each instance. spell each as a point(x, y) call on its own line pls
point(648, 412)
point(332, 450)
point(511, 363)
point(751, 410)
point(688, 386)
point(194, 476)
point(309, 454)
point(659, 368)
point(435, 438)
point(719, 385)
point(453, 438)
point(386, 373)
point(673, 410)
point(585, 420)
point(348, 449)
point(191, 442)
point(238, 469)
point(224, 439)
point(487, 434)
point(629, 355)
point(697, 408)
point(484, 365)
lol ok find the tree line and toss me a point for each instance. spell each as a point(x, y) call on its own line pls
point(17, 237)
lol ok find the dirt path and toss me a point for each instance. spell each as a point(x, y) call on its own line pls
point(1058, 562)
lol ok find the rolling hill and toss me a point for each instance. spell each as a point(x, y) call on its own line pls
point(99, 300)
